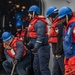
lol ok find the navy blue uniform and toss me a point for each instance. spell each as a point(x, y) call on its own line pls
point(42, 57)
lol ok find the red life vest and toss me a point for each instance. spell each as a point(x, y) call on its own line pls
point(22, 35)
point(13, 46)
point(31, 30)
point(52, 35)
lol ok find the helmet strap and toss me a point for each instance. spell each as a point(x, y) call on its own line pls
point(22, 27)
point(66, 18)
point(33, 14)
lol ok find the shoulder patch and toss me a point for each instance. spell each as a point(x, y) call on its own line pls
point(57, 30)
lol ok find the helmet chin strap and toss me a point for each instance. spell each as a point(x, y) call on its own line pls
point(33, 14)
point(66, 18)
point(22, 27)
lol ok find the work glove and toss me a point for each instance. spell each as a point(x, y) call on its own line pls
point(15, 62)
point(8, 47)
point(34, 51)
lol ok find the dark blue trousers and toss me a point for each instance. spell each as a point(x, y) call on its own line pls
point(21, 66)
point(58, 68)
point(41, 61)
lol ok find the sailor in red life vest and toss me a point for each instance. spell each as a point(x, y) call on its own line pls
point(68, 18)
point(15, 53)
point(55, 38)
point(37, 31)
point(21, 32)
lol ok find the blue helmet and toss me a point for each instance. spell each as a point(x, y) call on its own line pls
point(51, 10)
point(6, 36)
point(64, 11)
point(18, 16)
point(19, 23)
point(34, 8)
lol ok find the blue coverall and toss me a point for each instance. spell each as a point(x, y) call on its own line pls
point(42, 57)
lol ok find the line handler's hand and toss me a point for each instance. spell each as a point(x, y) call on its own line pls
point(34, 51)
point(15, 62)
